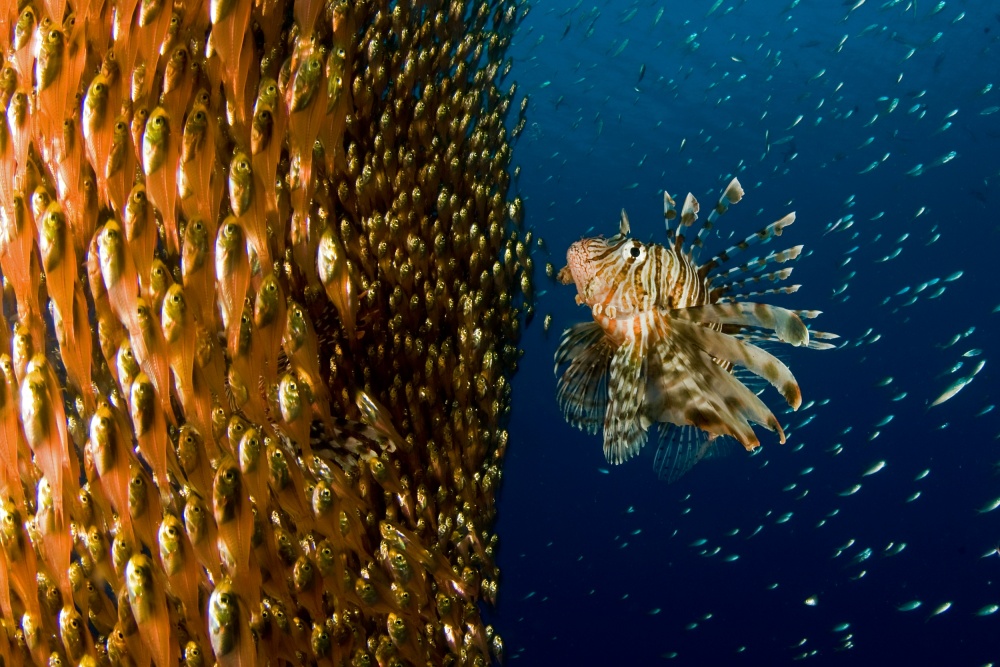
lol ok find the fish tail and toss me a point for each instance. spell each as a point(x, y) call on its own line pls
point(679, 448)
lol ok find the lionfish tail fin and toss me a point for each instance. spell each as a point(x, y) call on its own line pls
point(624, 435)
point(679, 448)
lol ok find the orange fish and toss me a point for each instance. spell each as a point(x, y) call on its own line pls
point(140, 231)
point(232, 271)
point(160, 153)
point(179, 335)
point(112, 456)
point(148, 602)
point(119, 274)
point(150, 428)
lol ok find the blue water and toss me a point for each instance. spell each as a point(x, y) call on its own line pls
point(605, 564)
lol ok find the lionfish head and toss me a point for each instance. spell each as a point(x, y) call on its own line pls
point(597, 265)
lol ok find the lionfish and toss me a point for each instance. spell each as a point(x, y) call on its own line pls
point(676, 342)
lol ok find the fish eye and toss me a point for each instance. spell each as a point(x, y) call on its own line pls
point(634, 252)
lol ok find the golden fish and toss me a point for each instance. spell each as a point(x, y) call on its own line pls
point(240, 184)
point(193, 135)
point(154, 141)
point(50, 58)
point(95, 107)
point(305, 82)
point(223, 619)
point(334, 274)
point(119, 145)
point(261, 128)
point(232, 268)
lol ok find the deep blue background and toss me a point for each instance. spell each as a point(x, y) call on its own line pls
point(596, 560)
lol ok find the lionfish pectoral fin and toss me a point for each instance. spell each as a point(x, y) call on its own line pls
point(624, 435)
point(785, 323)
point(583, 387)
point(688, 387)
point(760, 362)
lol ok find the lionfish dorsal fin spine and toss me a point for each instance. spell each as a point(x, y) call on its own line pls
point(623, 227)
point(731, 195)
point(669, 213)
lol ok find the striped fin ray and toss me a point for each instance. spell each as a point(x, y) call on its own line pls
point(725, 289)
point(679, 448)
point(732, 195)
point(786, 323)
point(816, 339)
point(759, 264)
point(743, 296)
point(583, 388)
point(731, 349)
point(760, 236)
point(624, 436)
point(689, 213)
point(687, 387)
point(669, 213)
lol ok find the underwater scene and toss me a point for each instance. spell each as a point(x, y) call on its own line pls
point(872, 534)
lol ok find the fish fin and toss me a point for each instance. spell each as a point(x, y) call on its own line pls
point(624, 435)
point(758, 265)
point(760, 236)
point(732, 195)
point(669, 213)
point(735, 351)
point(729, 289)
point(816, 339)
point(583, 387)
point(686, 386)
point(679, 448)
point(786, 323)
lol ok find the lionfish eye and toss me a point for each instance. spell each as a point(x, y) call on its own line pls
point(635, 252)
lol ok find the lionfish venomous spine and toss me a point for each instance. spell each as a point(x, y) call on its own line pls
point(676, 341)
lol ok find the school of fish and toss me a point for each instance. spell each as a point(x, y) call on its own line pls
point(263, 282)
point(875, 121)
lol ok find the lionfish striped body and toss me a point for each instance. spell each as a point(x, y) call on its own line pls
point(666, 337)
